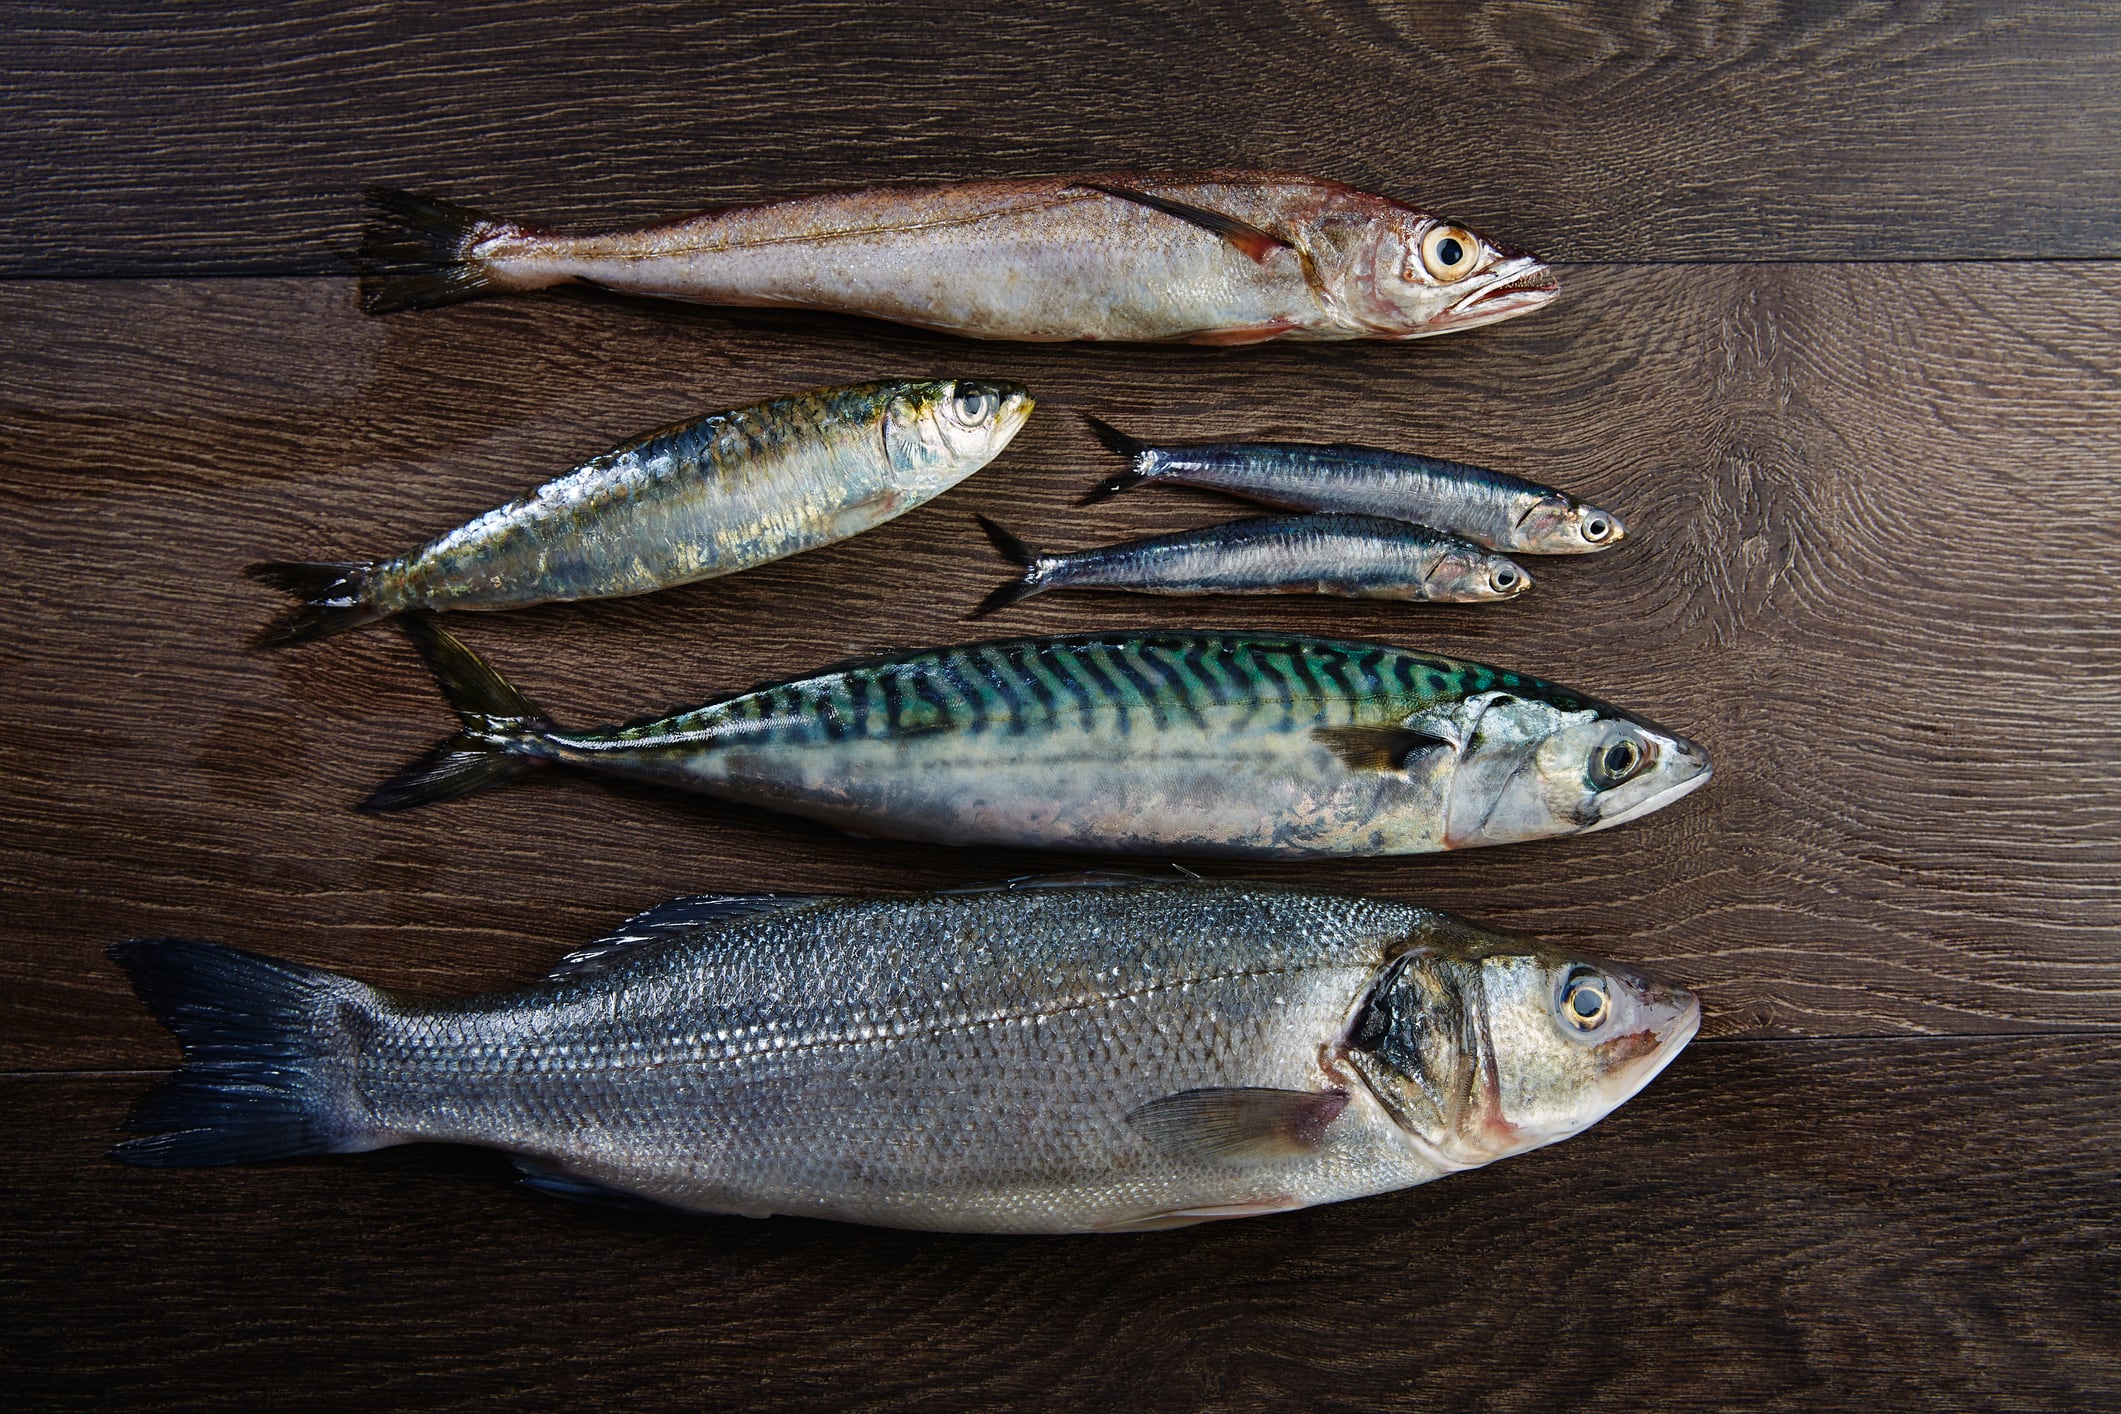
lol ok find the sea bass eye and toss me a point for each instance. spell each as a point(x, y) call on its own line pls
point(973, 404)
point(1449, 252)
point(1585, 1001)
point(1614, 763)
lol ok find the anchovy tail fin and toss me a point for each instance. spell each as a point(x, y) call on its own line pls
point(333, 599)
point(417, 252)
point(1016, 552)
point(1120, 444)
point(263, 1041)
point(502, 737)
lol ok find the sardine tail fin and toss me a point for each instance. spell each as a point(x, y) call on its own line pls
point(333, 599)
point(1120, 444)
point(261, 1041)
point(417, 252)
point(1016, 552)
point(502, 731)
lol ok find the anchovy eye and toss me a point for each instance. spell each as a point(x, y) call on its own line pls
point(1585, 1001)
point(1449, 253)
point(974, 404)
point(1613, 764)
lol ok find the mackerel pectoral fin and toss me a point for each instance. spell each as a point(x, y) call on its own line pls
point(1187, 1217)
point(1377, 748)
point(679, 918)
point(1241, 1125)
point(1242, 234)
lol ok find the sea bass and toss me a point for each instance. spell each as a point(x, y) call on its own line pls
point(1355, 557)
point(1163, 743)
point(1487, 507)
point(709, 497)
point(1037, 1059)
point(1205, 258)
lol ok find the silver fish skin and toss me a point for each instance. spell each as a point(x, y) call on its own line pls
point(1353, 557)
point(1206, 257)
point(704, 498)
point(1049, 1058)
point(1263, 746)
point(1487, 507)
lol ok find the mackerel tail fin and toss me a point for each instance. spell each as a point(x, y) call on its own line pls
point(264, 1049)
point(502, 736)
point(1120, 444)
point(417, 252)
point(1016, 552)
point(333, 599)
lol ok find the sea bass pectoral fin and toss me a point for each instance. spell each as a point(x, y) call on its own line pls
point(1383, 748)
point(1241, 1124)
point(668, 922)
point(502, 729)
point(1243, 235)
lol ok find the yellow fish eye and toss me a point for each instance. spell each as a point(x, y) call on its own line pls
point(1450, 252)
point(1585, 1001)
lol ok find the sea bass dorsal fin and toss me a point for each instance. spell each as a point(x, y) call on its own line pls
point(667, 921)
point(1241, 1124)
point(1384, 748)
point(1082, 879)
point(1242, 234)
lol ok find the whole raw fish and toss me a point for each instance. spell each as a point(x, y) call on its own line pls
point(1486, 507)
point(1048, 1058)
point(1355, 557)
point(1199, 743)
point(1209, 258)
point(709, 497)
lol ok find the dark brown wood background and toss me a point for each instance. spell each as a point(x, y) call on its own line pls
point(1840, 337)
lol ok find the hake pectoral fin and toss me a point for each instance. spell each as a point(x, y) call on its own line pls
point(1241, 1125)
point(1242, 234)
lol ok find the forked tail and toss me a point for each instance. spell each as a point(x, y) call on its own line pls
point(333, 595)
point(1016, 552)
point(417, 252)
point(1121, 444)
point(502, 737)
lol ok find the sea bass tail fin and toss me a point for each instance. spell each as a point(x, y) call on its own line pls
point(1120, 444)
point(502, 737)
point(333, 599)
point(262, 1040)
point(417, 252)
point(1016, 552)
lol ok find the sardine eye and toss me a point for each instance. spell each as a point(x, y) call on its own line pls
point(1615, 763)
point(1585, 1001)
point(1596, 528)
point(1506, 577)
point(1449, 253)
point(973, 404)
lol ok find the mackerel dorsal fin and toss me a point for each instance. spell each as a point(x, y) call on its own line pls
point(1381, 748)
point(1242, 234)
point(668, 921)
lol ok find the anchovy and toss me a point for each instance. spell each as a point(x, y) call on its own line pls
point(1355, 557)
point(1038, 1059)
point(709, 497)
point(1206, 258)
point(1491, 509)
point(1200, 743)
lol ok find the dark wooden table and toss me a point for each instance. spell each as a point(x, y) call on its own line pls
point(1840, 337)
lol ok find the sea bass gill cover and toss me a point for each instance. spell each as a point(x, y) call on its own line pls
point(1205, 258)
point(1053, 1057)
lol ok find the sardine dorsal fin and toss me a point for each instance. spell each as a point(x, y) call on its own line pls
point(1245, 1124)
point(1384, 748)
point(666, 922)
point(1242, 234)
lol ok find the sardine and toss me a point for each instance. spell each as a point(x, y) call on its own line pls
point(709, 497)
point(1195, 743)
point(1206, 258)
point(1355, 557)
point(1038, 1059)
point(1486, 507)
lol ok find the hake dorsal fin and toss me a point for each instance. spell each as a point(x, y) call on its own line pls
point(1385, 748)
point(667, 921)
point(1242, 234)
point(1241, 1124)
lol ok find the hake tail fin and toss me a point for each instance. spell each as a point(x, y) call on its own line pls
point(416, 253)
point(264, 1049)
point(503, 732)
point(333, 599)
point(1016, 552)
point(1120, 444)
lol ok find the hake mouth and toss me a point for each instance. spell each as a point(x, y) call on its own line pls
point(1520, 284)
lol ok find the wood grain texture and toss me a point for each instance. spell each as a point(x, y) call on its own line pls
point(150, 139)
point(1906, 1225)
point(1871, 569)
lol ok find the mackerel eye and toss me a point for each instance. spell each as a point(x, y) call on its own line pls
point(1585, 1002)
point(1614, 763)
point(1449, 252)
point(973, 404)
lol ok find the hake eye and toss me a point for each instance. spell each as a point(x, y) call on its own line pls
point(1614, 763)
point(1585, 1001)
point(974, 404)
point(1449, 252)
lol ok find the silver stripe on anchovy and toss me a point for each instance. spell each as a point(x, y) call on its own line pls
point(1354, 557)
point(1501, 512)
